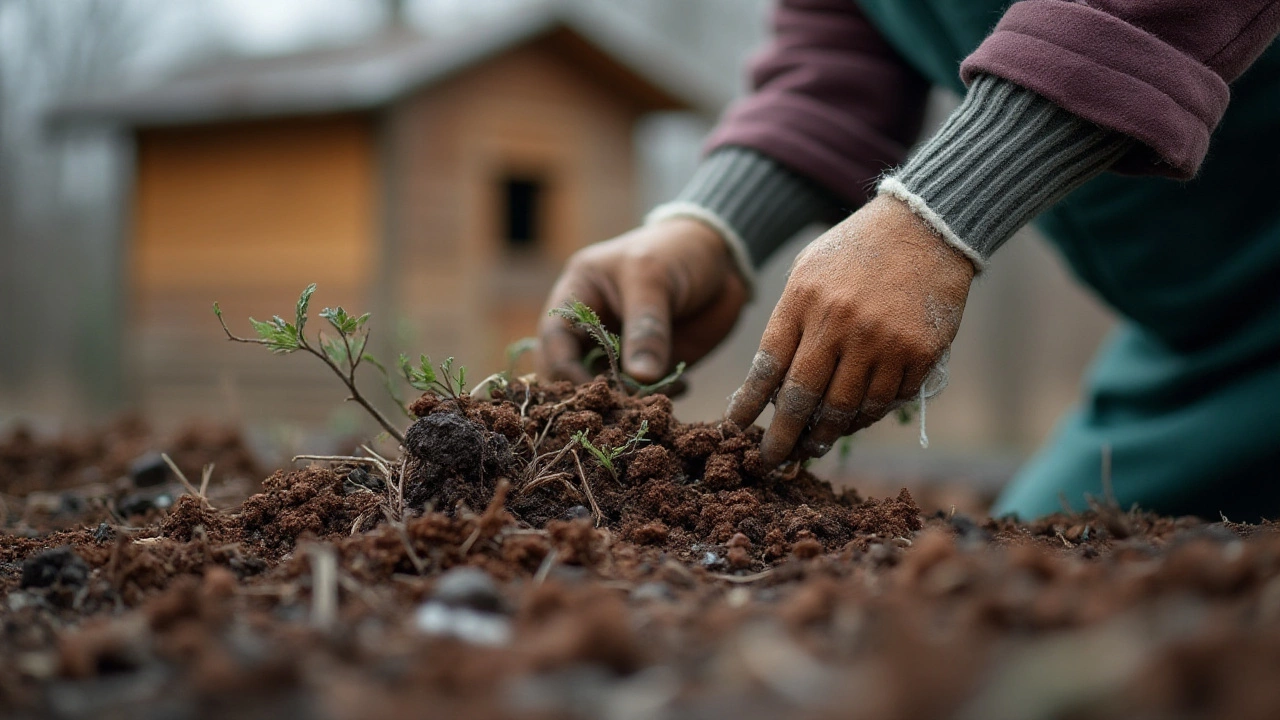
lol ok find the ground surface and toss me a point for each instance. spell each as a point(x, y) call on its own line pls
point(501, 569)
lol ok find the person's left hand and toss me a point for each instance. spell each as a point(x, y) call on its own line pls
point(869, 308)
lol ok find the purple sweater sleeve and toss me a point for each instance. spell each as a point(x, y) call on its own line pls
point(1155, 70)
point(832, 100)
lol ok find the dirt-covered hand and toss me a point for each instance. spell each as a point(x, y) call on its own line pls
point(868, 310)
point(671, 286)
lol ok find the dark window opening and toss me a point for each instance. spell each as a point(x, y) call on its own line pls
point(524, 198)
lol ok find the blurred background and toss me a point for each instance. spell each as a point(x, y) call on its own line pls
point(431, 161)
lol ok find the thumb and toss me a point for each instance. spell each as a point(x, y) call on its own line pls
point(646, 327)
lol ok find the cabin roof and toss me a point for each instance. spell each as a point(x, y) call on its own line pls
point(380, 70)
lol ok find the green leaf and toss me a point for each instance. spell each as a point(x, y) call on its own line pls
point(643, 390)
point(304, 300)
point(217, 310)
point(517, 350)
point(278, 335)
point(341, 321)
point(592, 357)
point(336, 350)
point(577, 311)
point(422, 377)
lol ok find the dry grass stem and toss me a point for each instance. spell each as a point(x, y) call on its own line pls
point(185, 482)
point(324, 586)
point(545, 568)
point(587, 487)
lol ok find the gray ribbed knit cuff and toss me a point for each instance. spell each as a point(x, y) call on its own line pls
point(762, 201)
point(1005, 155)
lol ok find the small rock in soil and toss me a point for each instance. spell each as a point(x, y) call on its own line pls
point(59, 566)
point(104, 532)
point(149, 470)
point(469, 587)
point(577, 512)
point(650, 591)
point(469, 624)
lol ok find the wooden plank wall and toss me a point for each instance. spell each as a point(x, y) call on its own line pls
point(247, 214)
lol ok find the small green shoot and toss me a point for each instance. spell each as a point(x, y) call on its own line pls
point(608, 455)
point(844, 450)
point(609, 345)
point(907, 413)
point(342, 354)
point(517, 350)
point(586, 319)
point(423, 376)
point(640, 390)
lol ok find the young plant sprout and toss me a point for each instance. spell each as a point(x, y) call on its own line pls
point(610, 346)
point(607, 455)
point(586, 319)
point(342, 354)
point(423, 377)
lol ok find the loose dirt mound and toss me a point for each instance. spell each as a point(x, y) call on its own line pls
point(502, 569)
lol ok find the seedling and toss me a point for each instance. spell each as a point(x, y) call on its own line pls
point(608, 455)
point(423, 377)
point(586, 319)
point(610, 346)
point(343, 354)
point(501, 380)
point(517, 350)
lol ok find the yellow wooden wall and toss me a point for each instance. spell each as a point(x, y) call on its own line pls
point(247, 214)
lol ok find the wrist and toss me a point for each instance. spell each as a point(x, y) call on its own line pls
point(953, 264)
point(710, 228)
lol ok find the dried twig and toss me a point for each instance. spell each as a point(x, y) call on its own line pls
point(418, 563)
point(562, 477)
point(205, 475)
point(742, 578)
point(324, 586)
point(353, 459)
point(545, 568)
point(587, 487)
point(471, 540)
point(185, 482)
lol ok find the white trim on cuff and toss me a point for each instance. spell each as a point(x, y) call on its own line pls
point(895, 189)
point(732, 240)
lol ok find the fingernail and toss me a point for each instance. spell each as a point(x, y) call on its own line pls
point(646, 362)
point(816, 449)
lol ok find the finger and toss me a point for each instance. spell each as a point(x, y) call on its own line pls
point(882, 395)
point(912, 379)
point(697, 334)
point(559, 344)
point(768, 368)
point(646, 326)
point(839, 408)
point(560, 352)
point(797, 399)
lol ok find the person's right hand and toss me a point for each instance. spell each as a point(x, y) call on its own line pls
point(672, 288)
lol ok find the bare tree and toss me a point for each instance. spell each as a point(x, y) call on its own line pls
point(50, 49)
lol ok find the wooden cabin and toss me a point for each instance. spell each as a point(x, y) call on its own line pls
point(440, 184)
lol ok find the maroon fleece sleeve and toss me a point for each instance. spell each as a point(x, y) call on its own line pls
point(1155, 70)
point(832, 100)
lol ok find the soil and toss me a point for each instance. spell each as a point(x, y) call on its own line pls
point(501, 569)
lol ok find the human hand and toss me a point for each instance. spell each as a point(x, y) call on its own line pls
point(671, 286)
point(868, 310)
